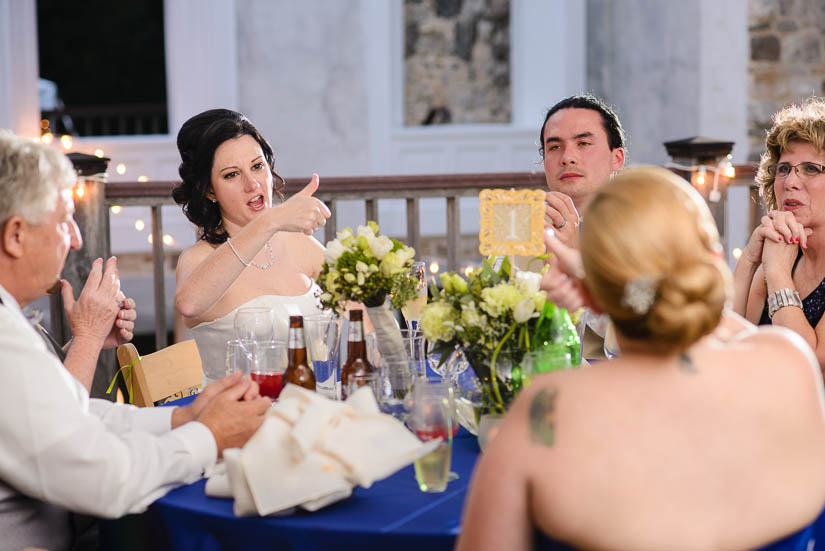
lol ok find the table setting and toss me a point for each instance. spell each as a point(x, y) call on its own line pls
point(380, 455)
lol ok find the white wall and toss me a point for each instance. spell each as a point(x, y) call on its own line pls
point(19, 104)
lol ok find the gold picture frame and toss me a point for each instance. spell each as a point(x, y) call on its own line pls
point(512, 222)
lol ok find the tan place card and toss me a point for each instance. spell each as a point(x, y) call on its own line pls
point(512, 222)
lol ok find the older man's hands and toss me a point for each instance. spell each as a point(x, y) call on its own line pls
point(231, 408)
point(93, 314)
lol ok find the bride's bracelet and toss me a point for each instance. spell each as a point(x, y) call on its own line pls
point(231, 246)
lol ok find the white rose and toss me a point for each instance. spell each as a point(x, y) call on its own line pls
point(333, 251)
point(380, 246)
point(343, 234)
point(366, 231)
point(405, 254)
point(528, 282)
point(523, 311)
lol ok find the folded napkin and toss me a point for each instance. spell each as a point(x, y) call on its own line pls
point(311, 451)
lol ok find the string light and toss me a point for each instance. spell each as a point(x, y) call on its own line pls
point(434, 267)
point(116, 209)
point(47, 138)
point(724, 168)
point(149, 238)
point(737, 252)
point(120, 169)
point(99, 153)
point(80, 190)
point(66, 140)
point(468, 270)
point(139, 224)
point(143, 179)
point(168, 240)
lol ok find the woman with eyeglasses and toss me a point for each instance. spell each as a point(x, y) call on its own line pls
point(780, 277)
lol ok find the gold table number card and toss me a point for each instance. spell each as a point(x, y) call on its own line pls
point(512, 222)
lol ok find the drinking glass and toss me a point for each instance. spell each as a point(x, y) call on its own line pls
point(253, 324)
point(412, 309)
point(322, 333)
point(611, 345)
point(416, 346)
point(371, 379)
point(395, 389)
point(237, 358)
point(543, 360)
point(431, 418)
point(269, 362)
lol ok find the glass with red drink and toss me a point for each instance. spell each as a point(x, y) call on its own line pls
point(268, 367)
point(431, 418)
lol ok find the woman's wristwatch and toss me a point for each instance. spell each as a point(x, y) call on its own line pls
point(782, 298)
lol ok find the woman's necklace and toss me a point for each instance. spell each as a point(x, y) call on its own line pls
point(271, 259)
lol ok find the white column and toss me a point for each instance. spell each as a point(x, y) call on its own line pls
point(201, 57)
point(723, 77)
point(547, 56)
point(19, 68)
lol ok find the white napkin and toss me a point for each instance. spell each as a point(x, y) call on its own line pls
point(311, 451)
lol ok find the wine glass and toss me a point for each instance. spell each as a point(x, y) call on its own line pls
point(412, 309)
point(254, 325)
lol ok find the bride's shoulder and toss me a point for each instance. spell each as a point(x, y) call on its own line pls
point(194, 255)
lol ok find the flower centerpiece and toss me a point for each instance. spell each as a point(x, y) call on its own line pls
point(367, 267)
point(495, 317)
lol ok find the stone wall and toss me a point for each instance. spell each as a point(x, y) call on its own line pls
point(456, 61)
point(787, 60)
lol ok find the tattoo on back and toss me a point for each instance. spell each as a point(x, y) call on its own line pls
point(686, 364)
point(543, 417)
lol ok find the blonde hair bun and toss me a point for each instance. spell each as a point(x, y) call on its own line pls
point(649, 224)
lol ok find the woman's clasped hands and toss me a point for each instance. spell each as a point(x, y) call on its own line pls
point(776, 239)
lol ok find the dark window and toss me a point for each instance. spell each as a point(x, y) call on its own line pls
point(107, 61)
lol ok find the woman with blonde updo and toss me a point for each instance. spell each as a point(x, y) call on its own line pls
point(706, 433)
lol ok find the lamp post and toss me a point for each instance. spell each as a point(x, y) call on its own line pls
point(706, 164)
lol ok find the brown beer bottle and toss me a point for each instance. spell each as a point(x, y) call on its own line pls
point(357, 363)
point(298, 371)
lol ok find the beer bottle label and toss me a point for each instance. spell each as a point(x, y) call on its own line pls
point(356, 332)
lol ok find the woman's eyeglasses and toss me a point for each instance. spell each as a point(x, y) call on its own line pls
point(804, 171)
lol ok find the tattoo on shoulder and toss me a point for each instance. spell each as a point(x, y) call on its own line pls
point(543, 417)
point(686, 364)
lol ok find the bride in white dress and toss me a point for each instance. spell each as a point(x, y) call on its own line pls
point(250, 252)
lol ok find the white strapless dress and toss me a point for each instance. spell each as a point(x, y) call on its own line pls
point(211, 336)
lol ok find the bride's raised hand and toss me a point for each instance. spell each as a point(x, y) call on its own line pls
point(302, 212)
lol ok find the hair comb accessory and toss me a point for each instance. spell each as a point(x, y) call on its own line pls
point(640, 293)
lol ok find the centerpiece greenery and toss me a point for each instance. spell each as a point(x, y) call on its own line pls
point(495, 317)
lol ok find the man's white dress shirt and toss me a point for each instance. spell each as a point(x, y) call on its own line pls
point(61, 451)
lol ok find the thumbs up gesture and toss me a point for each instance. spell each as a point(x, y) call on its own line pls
point(302, 212)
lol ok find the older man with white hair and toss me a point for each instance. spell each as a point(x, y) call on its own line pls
point(61, 451)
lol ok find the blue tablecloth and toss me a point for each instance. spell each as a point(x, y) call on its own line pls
point(392, 514)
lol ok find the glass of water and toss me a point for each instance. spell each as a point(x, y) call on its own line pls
point(322, 333)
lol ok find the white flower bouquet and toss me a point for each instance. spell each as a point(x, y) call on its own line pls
point(366, 267)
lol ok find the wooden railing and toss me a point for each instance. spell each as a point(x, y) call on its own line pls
point(368, 189)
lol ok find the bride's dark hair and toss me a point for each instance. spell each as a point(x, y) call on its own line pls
point(198, 139)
